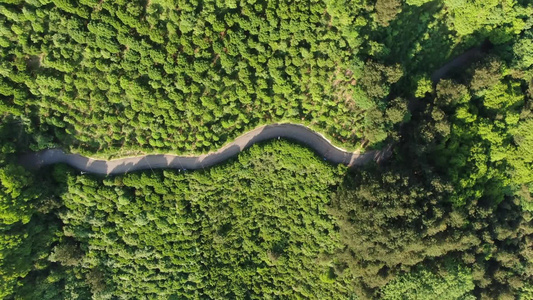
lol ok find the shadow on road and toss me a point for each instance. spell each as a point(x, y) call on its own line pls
point(295, 132)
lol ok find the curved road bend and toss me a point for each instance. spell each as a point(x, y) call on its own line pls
point(296, 132)
point(466, 58)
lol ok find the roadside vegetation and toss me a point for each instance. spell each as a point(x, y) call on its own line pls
point(448, 215)
point(178, 76)
point(110, 76)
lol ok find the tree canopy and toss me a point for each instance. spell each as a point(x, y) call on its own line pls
point(443, 86)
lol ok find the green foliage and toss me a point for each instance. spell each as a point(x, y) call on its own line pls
point(468, 17)
point(448, 215)
point(23, 252)
point(423, 86)
point(255, 227)
point(27, 226)
point(397, 111)
point(118, 77)
point(471, 135)
point(473, 128)
point(392, 221)
point(16, 193)
point(450, 282)
point(377, 79)
point(417, 2)
point(486, 74)
point(526, 292)
point(523, 51)
point(386, 10)
point(147, 76)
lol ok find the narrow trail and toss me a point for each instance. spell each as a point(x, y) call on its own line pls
point(296, 132)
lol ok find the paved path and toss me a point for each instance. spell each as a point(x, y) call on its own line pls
point(460, 61)
point(296, 132)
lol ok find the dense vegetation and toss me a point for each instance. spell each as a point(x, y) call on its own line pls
point(189, 76)
point(146, 75)
point(449, 215)
point(240, 230)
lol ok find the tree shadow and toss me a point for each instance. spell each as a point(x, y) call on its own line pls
point(420, 43)
point(411, 38)
point(294, 132)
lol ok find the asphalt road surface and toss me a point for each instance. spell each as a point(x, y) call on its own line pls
point(300, 133)
point(469, 56)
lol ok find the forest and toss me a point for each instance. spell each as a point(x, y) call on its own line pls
point(446, 84)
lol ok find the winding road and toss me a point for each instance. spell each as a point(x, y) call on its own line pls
point(296, 132)
point(465, 59)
